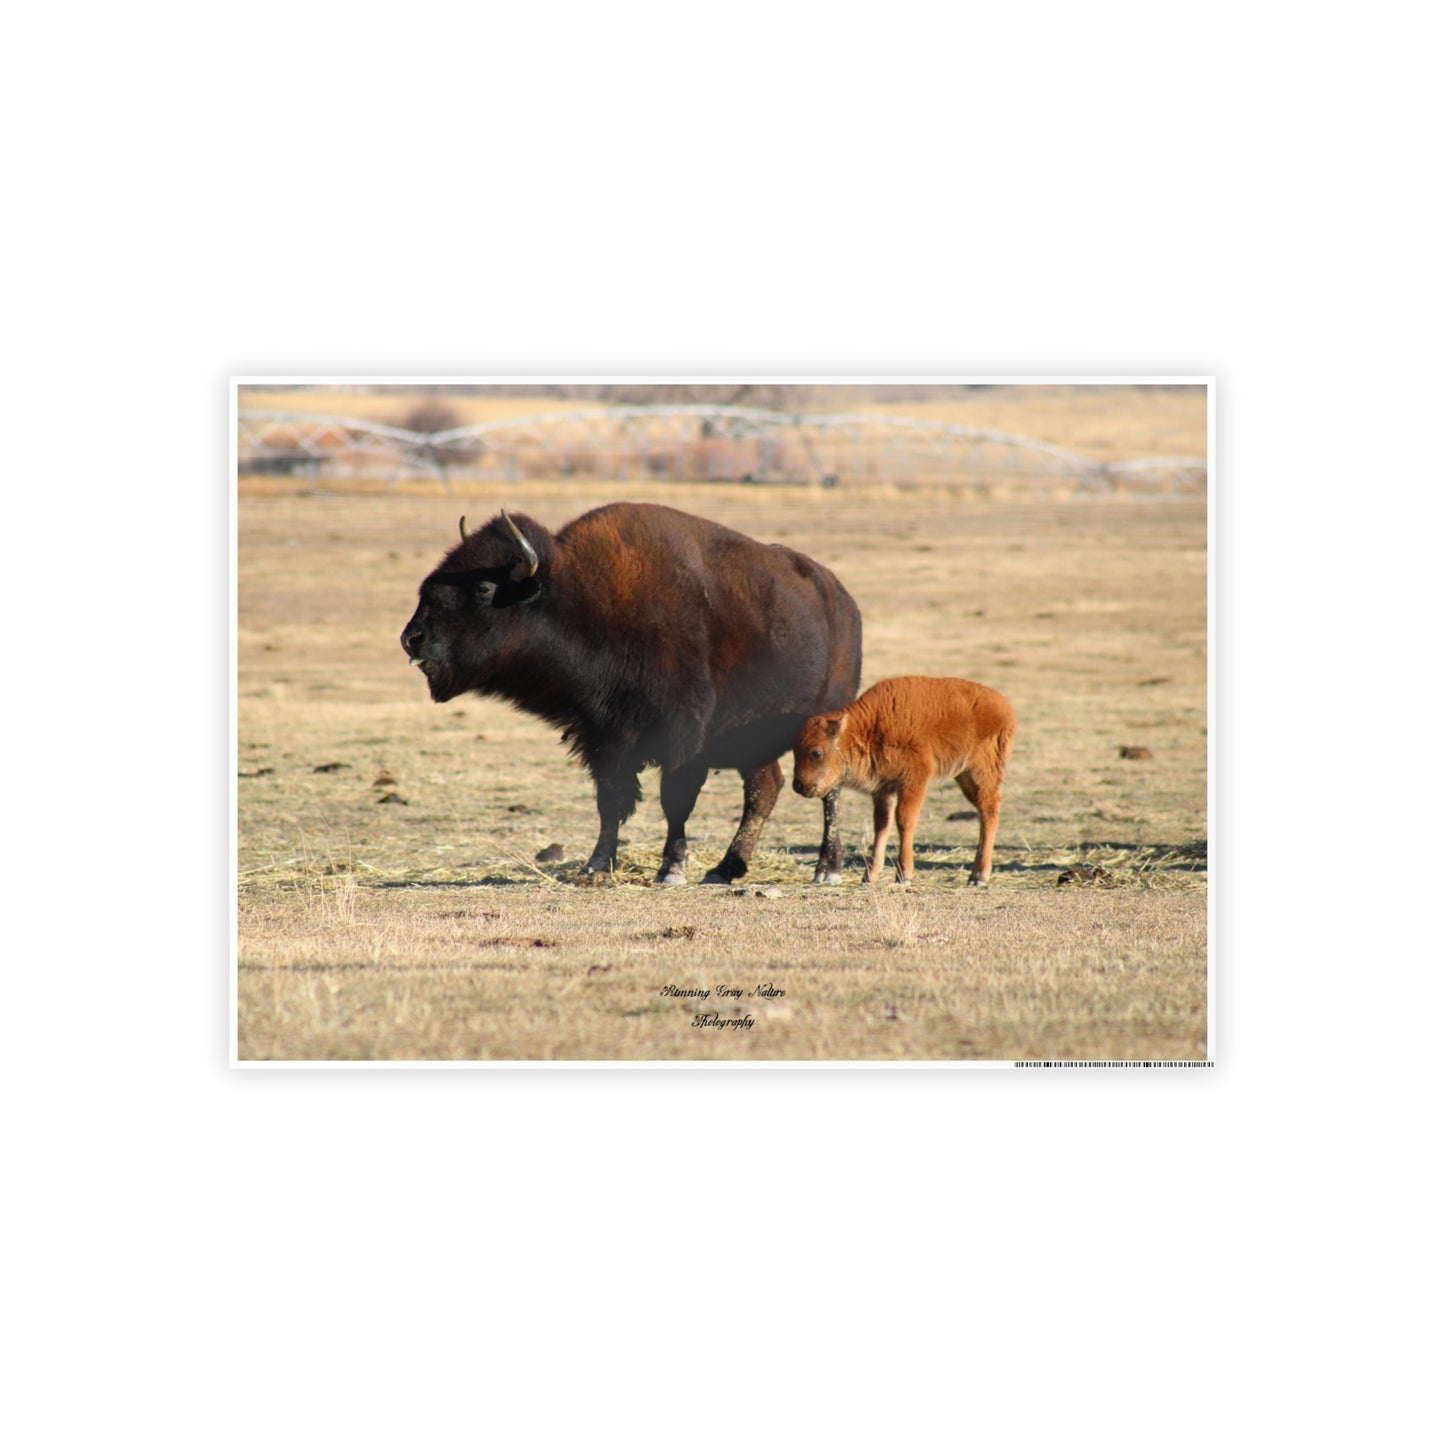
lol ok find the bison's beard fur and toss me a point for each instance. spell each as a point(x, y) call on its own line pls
point(441, 689)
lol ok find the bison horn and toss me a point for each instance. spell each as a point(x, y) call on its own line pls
point(462, 528)
point(523, 543)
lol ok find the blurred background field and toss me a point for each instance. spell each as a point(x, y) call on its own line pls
point(392, 902)
point(1111, 423)
point(987, 440)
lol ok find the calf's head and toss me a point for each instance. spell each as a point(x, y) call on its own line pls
point(472, 605)
point(818, 764)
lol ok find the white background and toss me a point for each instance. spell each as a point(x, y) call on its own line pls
point(1113, 189)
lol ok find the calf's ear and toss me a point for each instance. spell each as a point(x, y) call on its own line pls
point(835, 725)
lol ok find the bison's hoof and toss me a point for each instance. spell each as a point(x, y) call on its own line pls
point(671, 880)
point(714, 876)
point(822, 877)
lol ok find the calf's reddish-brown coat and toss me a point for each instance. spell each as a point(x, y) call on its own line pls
point(898, 737)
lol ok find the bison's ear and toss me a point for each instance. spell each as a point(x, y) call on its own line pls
point(486, 592)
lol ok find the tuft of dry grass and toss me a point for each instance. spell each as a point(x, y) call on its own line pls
point(432, 931)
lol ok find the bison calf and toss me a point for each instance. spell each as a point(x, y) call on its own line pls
point(895, 740)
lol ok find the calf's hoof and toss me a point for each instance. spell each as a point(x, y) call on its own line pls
point(976, 880)
point(823, 877)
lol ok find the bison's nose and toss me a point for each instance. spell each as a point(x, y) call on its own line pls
point(409, 639)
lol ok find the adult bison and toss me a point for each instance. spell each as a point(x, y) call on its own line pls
point(650, 637)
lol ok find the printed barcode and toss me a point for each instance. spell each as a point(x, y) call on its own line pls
point(1113, 1063)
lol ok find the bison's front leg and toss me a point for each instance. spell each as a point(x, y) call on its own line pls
point(761, 787)
point(830, 853)
point(617, 794)
point(679, 793)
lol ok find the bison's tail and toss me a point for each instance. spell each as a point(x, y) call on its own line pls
point(1005, 744)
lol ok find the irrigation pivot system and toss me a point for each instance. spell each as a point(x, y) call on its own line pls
point(694, 443)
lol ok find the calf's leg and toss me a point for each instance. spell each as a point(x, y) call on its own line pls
point(882, 821)
point(985, 795)
point(910, 805)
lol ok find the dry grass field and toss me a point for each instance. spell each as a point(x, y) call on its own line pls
point(392, 905)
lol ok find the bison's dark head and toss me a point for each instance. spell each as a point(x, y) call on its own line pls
point(471, 607)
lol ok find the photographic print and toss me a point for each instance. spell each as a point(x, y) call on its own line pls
point(722, 722)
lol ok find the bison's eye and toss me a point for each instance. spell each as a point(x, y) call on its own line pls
point(816, 755)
